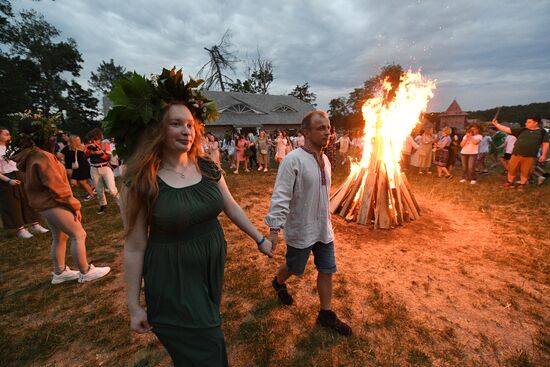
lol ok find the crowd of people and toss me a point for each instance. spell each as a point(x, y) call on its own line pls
point(520, 150)
point(258, 150)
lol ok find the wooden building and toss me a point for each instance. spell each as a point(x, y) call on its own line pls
point(454, 117)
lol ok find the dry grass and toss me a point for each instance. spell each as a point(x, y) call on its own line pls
point(467, 284)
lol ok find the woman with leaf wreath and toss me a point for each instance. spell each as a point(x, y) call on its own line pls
point(171, 199)
point(50, 194)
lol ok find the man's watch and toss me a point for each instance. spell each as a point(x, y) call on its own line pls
point(274, 230)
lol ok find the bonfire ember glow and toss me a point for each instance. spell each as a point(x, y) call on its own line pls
point(376, 191)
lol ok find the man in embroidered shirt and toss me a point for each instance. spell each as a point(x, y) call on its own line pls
point(300, 205)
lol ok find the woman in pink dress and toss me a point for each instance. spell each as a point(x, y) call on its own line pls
point(240, 146)
point(281, 143)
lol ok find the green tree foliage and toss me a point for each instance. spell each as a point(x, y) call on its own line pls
point(81, 109)
point(245, 86)
point(302, 92)
point(260, 77)
point(518, 113)
point(33, 66)
point(107, 73)
point(338, 111)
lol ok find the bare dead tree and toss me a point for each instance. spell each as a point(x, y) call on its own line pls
point(262, 73)
point(221, 60)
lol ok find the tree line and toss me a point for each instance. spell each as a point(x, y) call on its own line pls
point(518, 113)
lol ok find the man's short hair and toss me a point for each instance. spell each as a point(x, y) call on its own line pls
point(306, 122)
point(537, 119)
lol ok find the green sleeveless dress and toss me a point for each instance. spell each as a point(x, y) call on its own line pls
point(183, 270)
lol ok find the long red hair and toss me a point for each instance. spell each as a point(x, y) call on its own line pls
point(140, 179)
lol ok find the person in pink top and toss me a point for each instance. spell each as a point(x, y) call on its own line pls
point(281, 144)
point(240, 146)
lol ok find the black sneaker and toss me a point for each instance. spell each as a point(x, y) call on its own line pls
point(101, 209)
point(329, 320)
point(282, 292)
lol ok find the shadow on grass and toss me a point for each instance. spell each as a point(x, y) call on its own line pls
point(255, 331)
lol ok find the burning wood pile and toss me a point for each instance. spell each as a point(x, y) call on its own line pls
point(376, 191)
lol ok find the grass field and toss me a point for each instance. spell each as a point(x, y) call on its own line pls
point(466, 285)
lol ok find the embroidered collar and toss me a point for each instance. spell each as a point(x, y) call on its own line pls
point(321, 164)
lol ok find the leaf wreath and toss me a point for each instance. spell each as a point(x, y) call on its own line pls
point(138, 102)
point(45, 129)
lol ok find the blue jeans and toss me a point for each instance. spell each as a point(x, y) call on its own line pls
point(469, 166)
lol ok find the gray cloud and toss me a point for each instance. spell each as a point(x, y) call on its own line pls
point(482, 53)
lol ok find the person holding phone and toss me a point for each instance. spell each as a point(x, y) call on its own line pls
point(102, 175)
point(468, 154)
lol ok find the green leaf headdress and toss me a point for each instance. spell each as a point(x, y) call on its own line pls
point(44, 128)
point(138, 102)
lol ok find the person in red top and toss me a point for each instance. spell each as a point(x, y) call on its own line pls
point(100, 154)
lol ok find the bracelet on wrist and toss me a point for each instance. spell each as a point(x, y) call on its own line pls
point(261, 242)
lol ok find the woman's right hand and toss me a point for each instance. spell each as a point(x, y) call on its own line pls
point(138, 321)
point(13, 182)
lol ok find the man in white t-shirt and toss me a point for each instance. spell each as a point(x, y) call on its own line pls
point(468, 154)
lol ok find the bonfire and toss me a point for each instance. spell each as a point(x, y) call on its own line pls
point(376, 191)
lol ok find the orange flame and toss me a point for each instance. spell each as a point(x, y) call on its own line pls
point(387, 125)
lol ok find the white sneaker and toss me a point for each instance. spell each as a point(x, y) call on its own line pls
point(38, 229)
point(540, 180)
point(260, 168)
point(473, 182)
point(67, 275)
point(93, 274)
point(23, 234)
point(265, 169)
point(462, 181)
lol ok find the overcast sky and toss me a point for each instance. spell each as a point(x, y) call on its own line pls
point(484, 53)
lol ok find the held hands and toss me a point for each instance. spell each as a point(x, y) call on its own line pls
point(138, 321)
point(273, 237)
point(13, 182)
point(266, 248)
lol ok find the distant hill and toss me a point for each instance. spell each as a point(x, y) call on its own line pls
point(518, 113)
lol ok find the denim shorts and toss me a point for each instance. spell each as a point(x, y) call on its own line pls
point(323, 257)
